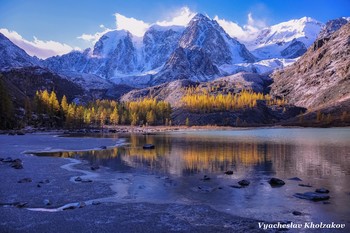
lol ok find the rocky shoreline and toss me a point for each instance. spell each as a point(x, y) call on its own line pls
point(129, 129)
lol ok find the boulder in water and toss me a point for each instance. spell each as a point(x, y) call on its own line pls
point(206, 178)
point(276, 182)
point(244, 182)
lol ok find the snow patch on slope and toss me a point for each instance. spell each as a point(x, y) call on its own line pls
point(260, 67)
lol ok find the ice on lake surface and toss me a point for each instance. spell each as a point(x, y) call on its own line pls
point(174, 171)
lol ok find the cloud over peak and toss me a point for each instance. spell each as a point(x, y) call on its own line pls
point(247, 32)
point(93, 38)
point(134, 26)
point(138, 27)
point(40, 48)
point(180, 18)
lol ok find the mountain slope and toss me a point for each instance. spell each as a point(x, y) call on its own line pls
point(203, 47)
point(263, 113)
point(209, 35)
point(117, 53)
point(113, 53)
point(187, 63)
point(73, 61)
point(158, 44)
point(286, 40)
point(13, 56)
point(172, 92)
point(321, 77)
point(332, 26)
point(24, 82)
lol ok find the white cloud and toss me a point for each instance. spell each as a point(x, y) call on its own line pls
point(138, 27)
point(93, 38)
point(180, 18)
point(255, 23)
point(231, 28)
point(39, 48)
point(245, 33)
point(134, 26)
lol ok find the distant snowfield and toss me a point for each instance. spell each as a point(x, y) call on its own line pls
point(260, 67)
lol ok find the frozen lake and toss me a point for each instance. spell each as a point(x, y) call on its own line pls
point(173, 172)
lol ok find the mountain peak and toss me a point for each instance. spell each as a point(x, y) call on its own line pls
point(109, 41)
point(332, 26)
point(287, 39)
point(14, 56)
point(200, 16)
point(306, 19)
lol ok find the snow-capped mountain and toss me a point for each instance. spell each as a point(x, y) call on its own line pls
point(203, 47)
point(73, 61)
point(158, 44)
point(202, 51)
point(187, 63)
point(13, 56)
point(211, 37)
point(286, 40)
point(164, 53)
point(114, 52)
point(119, 54)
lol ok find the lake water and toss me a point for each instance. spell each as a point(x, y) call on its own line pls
point(174, 170)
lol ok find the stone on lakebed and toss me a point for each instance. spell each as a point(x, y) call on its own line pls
point(244, 182)
point(229, 172)
point(276, 182)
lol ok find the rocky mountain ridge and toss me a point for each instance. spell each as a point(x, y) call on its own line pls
point(172, 92)
point(202, 51)
point(163, 54)
point(13, 56)
point(320, 79)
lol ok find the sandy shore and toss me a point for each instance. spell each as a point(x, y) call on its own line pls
point(57, 185)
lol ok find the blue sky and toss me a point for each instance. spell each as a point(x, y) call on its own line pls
point(60, 25)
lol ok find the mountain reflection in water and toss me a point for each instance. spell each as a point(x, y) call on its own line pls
point(183, 154)
point(174, 170)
